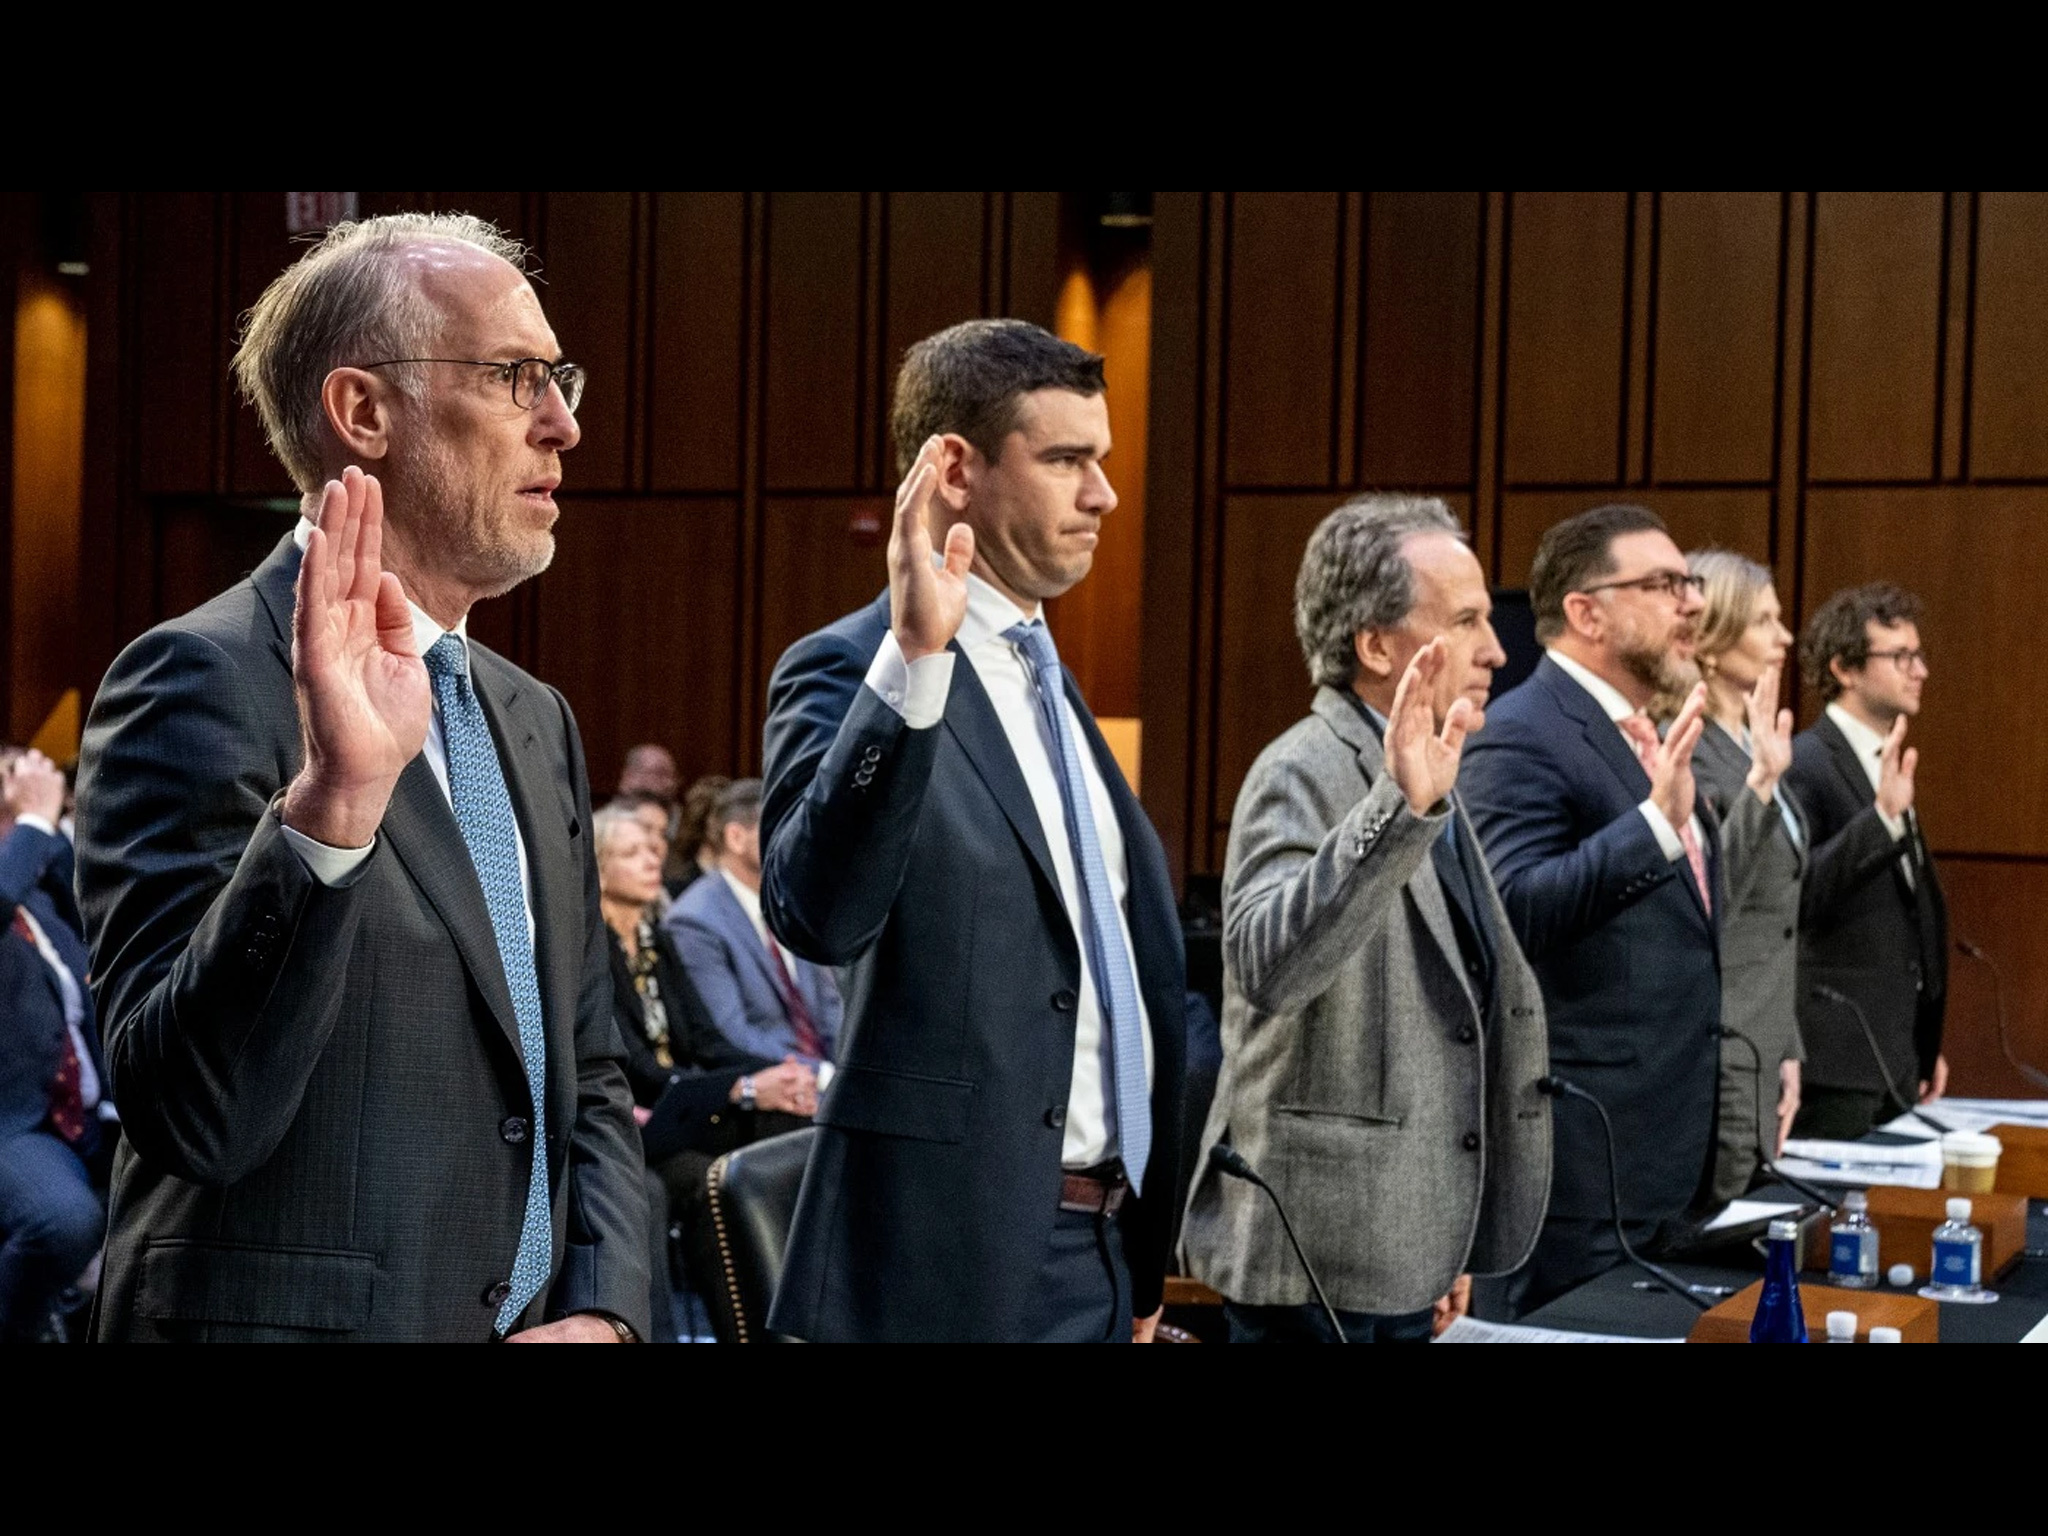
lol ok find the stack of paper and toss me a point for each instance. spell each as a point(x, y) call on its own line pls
point(1914, 1166)
point(1972, 1115)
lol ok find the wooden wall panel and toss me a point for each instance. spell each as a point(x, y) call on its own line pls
point(937, 277)
point(2008, 387)
point(1283, 315)
point(2002, 907)
point(816, 273)
point(698, 304)
point(1714, 401)
point(178, 331)
point(588, 287)
point(262, 248)
point(1734, 518)
point(1876, 322)
point(1567, 282)
point(1421, 337)
point(814, 570)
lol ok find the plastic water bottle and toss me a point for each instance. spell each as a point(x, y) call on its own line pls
point(1852, 1244)
point(1841, 1327)
point(1957, 1273)
point(1780, 1319)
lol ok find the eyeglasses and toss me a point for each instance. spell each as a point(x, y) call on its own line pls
point(1904, 660)
point(528, 377)
point(1669, 583)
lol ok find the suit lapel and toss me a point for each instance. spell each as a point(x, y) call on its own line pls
point(741, 931)
point(971, 717)
point(1850, 767)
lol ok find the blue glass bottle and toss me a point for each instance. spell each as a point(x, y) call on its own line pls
point(1780, 1319)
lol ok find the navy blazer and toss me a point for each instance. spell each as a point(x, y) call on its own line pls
point(727, 963)
point(915, 860)
point(35, 872)
point(1627, 953)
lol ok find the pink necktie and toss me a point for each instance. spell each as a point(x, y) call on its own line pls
point(1643, 737)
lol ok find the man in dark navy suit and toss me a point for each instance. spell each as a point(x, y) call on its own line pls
point(1608, 866)
point(999, 1154)
point(51, 1073)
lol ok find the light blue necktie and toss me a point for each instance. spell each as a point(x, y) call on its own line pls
point(1109, 961)
point(483, 810)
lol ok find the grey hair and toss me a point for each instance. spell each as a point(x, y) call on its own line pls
point(604, 824)
point(344, 303)
point(1355, 577)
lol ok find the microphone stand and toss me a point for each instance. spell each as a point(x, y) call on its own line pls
point(1558, 1087)
point(1764, 1158)
point(1227, 1159)
point(2032, 1074)
point(1842, 999)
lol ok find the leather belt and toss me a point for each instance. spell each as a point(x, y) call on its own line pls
point(1097, 1191)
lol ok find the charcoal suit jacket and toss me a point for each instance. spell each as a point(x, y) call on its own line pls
point(328, 1122)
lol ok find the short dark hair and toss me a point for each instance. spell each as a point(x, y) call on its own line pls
point(1576, 552)
point(968, 378)
point(1838, 630)
point(738, 803)
point(699, 801)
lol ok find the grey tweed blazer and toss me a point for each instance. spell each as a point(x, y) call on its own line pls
point(1409, 1142)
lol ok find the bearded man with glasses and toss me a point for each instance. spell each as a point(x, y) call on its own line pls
point(1873, 926)
point(1608, 864)
point(335, 860)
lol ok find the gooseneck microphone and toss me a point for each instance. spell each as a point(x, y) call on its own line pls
point(1764, 1158)
point(1559, 1088)
point(1225, 1158)
point(1842, 999)
point(2032, 1074)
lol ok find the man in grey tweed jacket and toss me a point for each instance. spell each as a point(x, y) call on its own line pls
point(1383, 1035)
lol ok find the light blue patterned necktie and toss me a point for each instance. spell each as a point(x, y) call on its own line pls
point(1109, 960)
point(483, 810)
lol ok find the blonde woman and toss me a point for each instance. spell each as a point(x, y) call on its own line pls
point(1738, 765)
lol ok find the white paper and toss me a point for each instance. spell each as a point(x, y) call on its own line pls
point(1470, 1330)
point(1916, 1166)
point(1972, 1115)
point(2038, 1334)
point(1740, 1213)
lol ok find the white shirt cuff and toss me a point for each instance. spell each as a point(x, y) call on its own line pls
point(916, 690)
point(328, 865)
point(1667, 836)
point(43, 824)
point(1896, 825)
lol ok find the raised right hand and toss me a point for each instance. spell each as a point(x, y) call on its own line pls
point(364, 700)
point(925, 605)
point(33, 786)
point(1895, 765)
point(1671, 782)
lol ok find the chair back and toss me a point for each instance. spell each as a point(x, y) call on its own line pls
point(751, 1192)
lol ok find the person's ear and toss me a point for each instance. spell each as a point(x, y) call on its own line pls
point(1375, 656)
point(961, 467)
point(358, 413)
point(1846, 676)
point(1583, 615)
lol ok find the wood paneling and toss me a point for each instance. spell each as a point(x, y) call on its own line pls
point(814, 569)
point(588, 287)
point(179, 332)
point(816, 273)
point(2003, 908)
point(2008, 387)
point(699, 309)
point(1876, 325)
point(937, 277)
point(1715, 394)
point(1282, 349)
point(1567, 284)
point(262, 247)
point(1421, 337)
point(1734, 518)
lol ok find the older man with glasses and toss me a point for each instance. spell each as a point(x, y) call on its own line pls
point(1608, 865)
point(1873, 925)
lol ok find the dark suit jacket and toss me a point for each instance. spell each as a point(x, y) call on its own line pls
point(35, 872)
point(1628, 956)
point(326, 1112)
point(1863, 929)
point(915, 859)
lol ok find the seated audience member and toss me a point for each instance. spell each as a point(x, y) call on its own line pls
point(54, 1148)
point(1873, 924)
point(1383, 1034)
point(1607, 869)
point(721, 1096)
point(658, 819)
point(650, 770)
point(763, 998)
point(693, 853)
point(1739, 764)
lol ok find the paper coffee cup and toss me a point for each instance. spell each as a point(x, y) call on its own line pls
point(1969, 1162)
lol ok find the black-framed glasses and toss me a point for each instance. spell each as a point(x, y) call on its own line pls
point(1673, 584)
point(1905, 660)
point(528, 377)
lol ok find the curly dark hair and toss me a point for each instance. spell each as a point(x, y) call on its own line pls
point(1839, 630)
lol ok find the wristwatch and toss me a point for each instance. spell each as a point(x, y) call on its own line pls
point(747, 1100)
point(622, 1329)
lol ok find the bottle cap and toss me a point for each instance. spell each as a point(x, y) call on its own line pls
point(1899, 1274)
point(1879, 1334)
point(1959, 1209)
point(1785, 1230)
point(1855, 1200)
point(1842, 1326)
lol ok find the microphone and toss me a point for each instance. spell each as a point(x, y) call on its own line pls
point(1842, 999)
point(2032, 1074)
point(1559, 1088)
point(1225, 1158)
point(1764, 1158)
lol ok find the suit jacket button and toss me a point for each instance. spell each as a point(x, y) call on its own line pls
point(513, 1129)
point(1063, 1001)
point(1056, 1116)
point(1471, 1141)
point(1467, 1034)
point(494, 1296)
point(1790, 931)
point(872, 755)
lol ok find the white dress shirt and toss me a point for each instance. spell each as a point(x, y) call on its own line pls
point(330, 865)
point(1618, 708)
point(917, 691)
point(749, 898)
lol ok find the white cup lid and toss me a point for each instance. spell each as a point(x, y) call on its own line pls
point(1841, 1325)
point(1970, 1146)
point(1879, 1334)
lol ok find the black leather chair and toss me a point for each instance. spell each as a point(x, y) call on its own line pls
point(751, 1193)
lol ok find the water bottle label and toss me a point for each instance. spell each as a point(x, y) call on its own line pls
point(1956, 1263)
point(1849, 1253)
